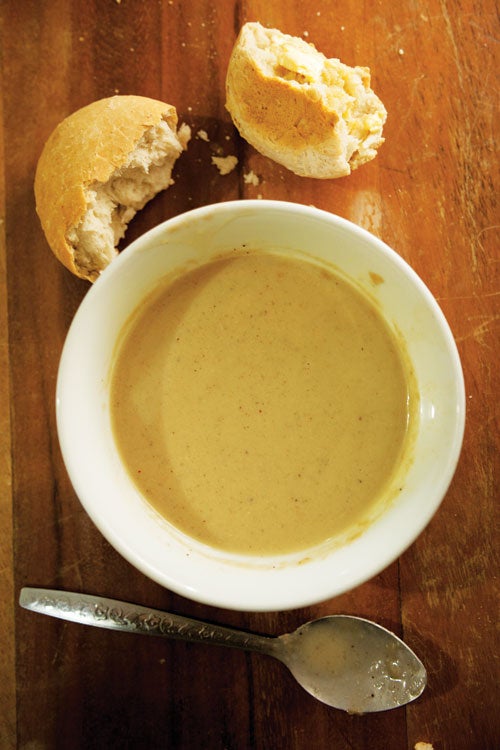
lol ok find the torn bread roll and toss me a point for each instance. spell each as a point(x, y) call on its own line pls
point(314, 115)
point(99, 167)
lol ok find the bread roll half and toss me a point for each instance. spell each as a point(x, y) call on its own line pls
point(314, 115)
point(97, 169)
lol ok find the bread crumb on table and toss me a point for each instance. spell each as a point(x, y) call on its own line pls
point(250, 178)
point(225, 164)
point(423, 746)
point(203, 135)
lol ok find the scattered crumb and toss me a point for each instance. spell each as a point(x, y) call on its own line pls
point(185, 131)
point(306, 33)
point(250, 178)
point(342, 28)
point(81, 38)
point(423, 746)
point(117, 91)
point(203, 136)
point(401, 51)
point(225, 164)
point(259, 197)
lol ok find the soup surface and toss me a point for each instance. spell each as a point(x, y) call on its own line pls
point(260, 403)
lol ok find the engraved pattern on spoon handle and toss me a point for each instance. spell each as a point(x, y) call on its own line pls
point(118, 615)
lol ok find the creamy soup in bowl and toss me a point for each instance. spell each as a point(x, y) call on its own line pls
point(261, 403)
point(271, 407)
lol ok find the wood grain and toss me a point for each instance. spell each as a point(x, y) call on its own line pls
point(430, 194)
point(7, 653)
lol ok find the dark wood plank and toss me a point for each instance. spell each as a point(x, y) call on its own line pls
point(7, 653)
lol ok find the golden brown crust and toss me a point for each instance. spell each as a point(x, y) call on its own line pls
point(86, 148)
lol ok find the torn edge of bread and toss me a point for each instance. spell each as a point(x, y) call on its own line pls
point(113, 204)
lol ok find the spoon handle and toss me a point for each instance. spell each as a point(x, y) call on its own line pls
point(113, 614)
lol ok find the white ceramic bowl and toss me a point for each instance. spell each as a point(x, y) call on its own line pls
point(115, 505)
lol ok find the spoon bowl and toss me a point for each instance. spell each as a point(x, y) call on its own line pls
point(346, 662)
point(353, 664)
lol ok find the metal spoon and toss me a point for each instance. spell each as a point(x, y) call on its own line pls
point(346, 662)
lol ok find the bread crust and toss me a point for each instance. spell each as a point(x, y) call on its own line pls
point(84, 149)
point(294, 116)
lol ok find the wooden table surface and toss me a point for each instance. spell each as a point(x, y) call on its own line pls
point(430, 194)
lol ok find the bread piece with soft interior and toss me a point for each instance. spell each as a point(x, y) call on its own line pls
point(314, 115)
point(100, 166)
